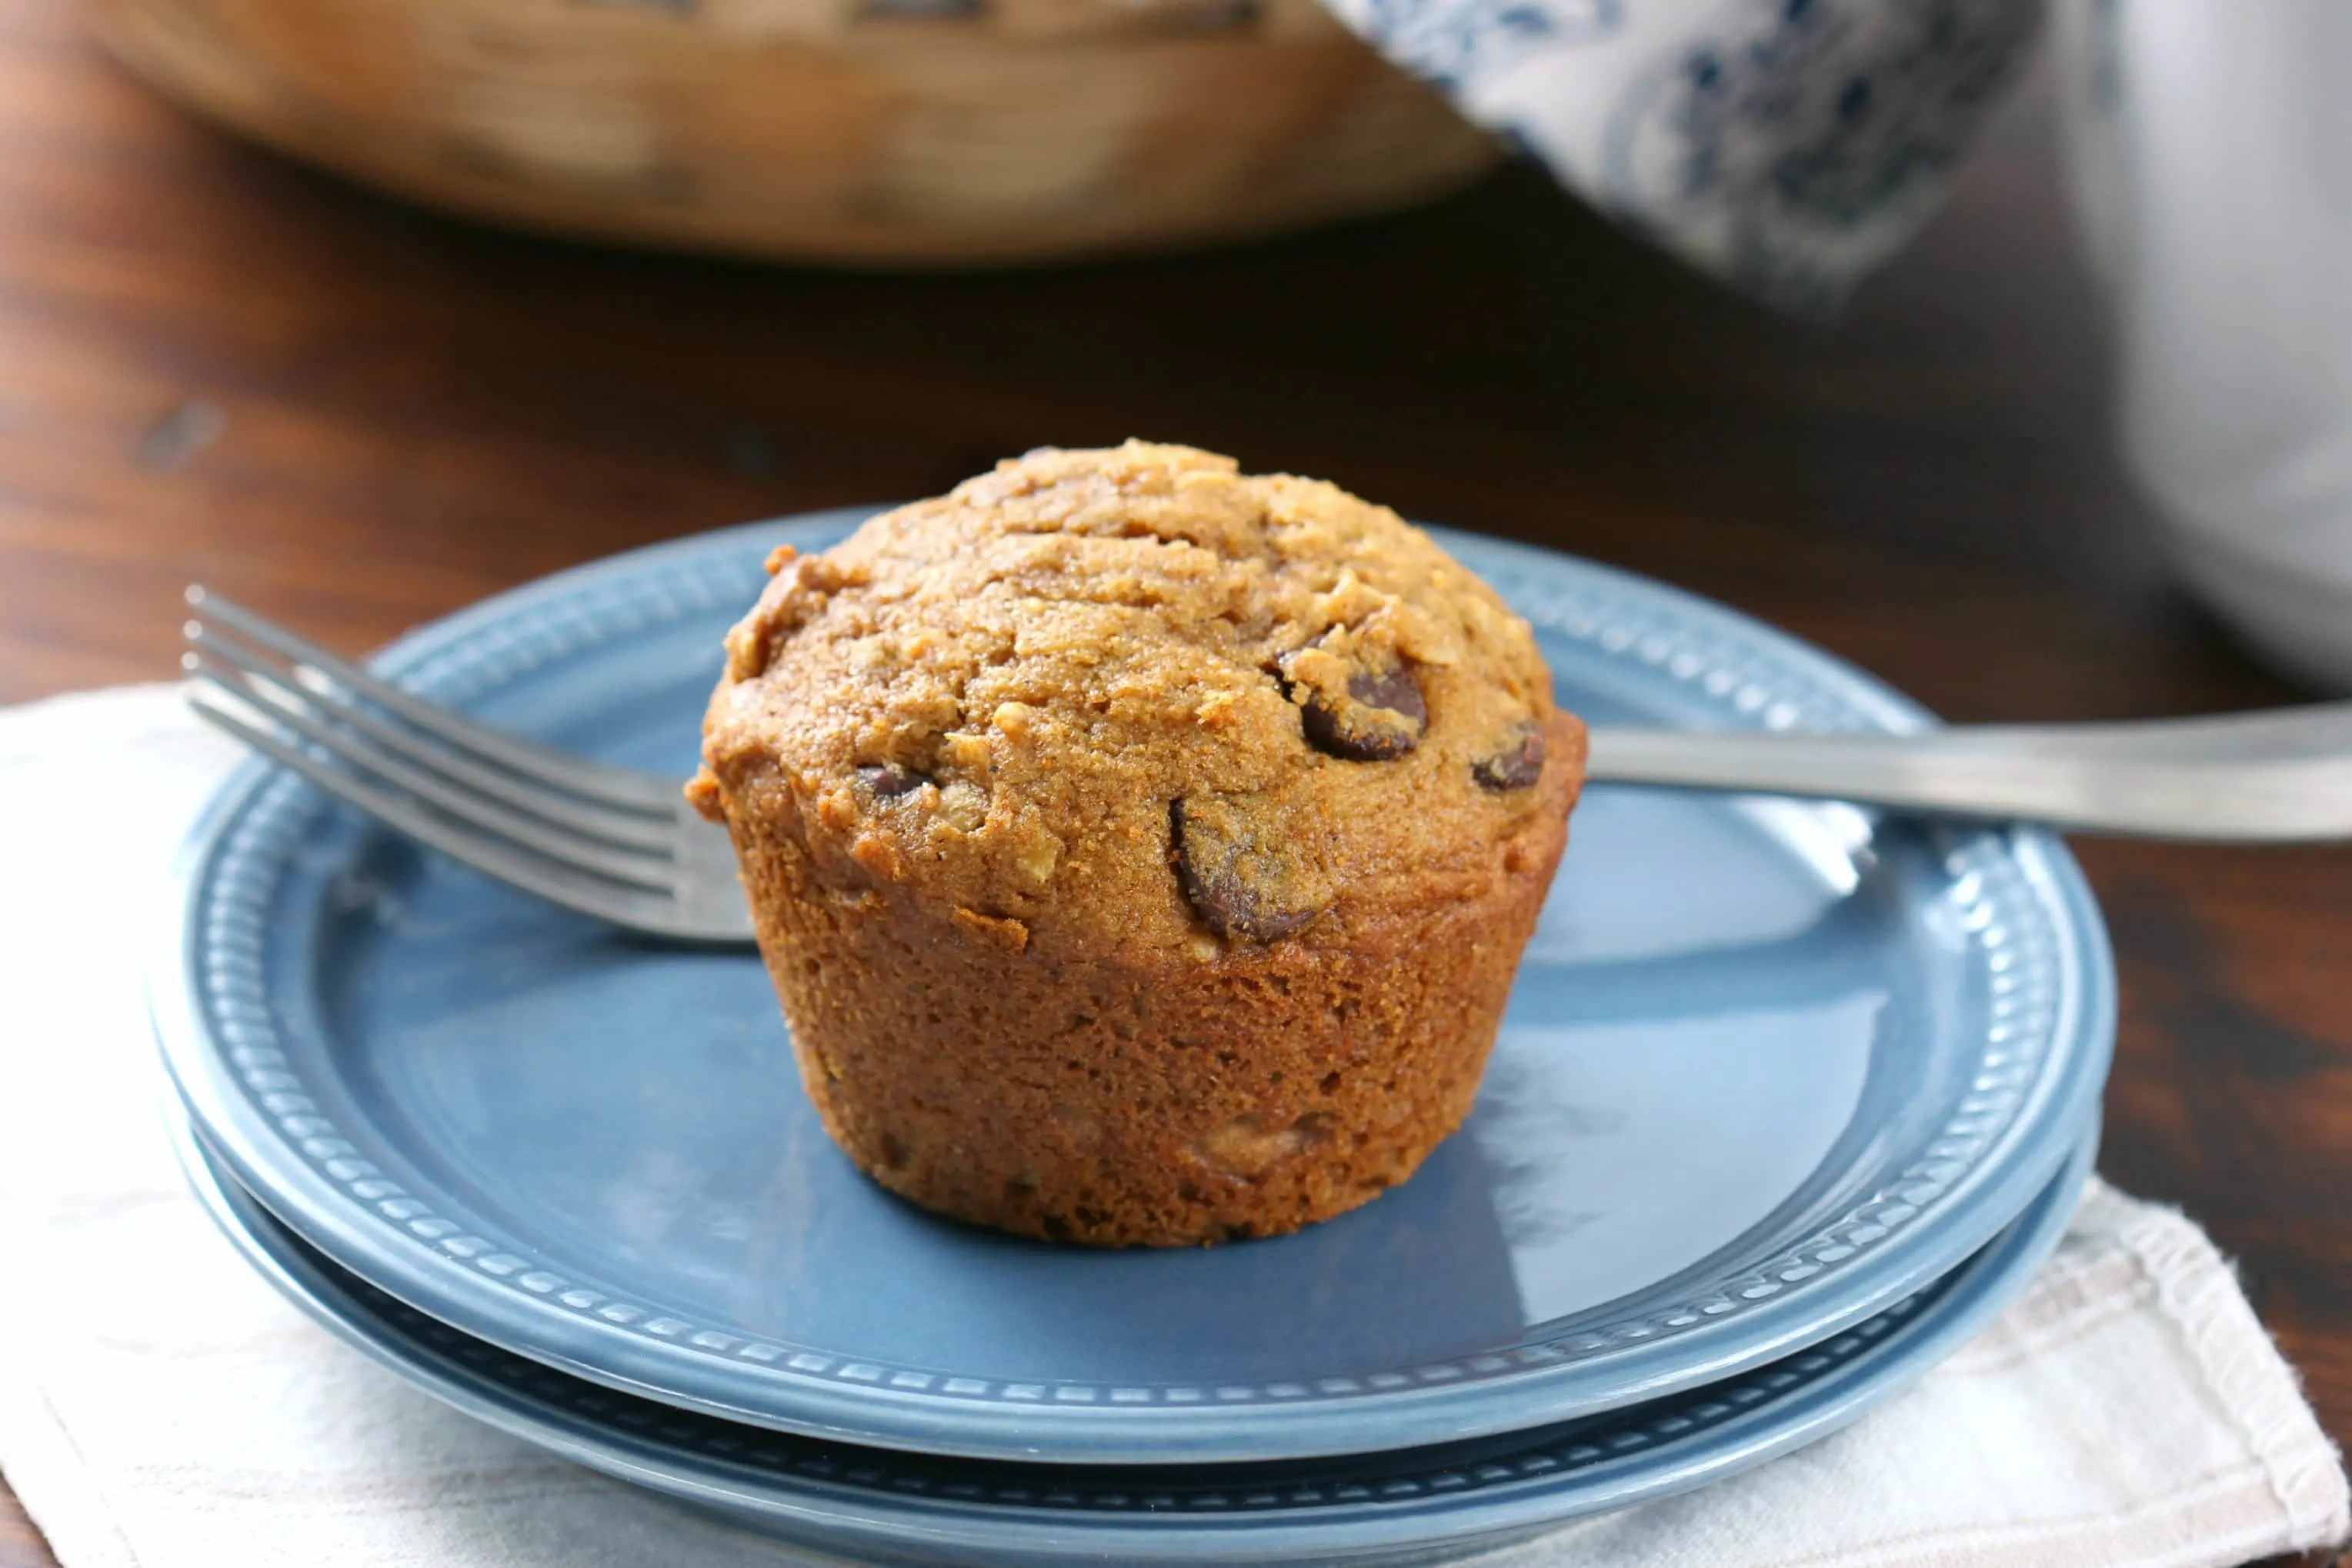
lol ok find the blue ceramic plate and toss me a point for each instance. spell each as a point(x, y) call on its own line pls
point(1769, 1069)
point(874, 1505)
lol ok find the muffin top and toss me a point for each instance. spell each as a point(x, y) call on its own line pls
point(1133, 698)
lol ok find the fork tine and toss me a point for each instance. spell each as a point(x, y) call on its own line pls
point(622, 787)
point(627, 867)
point(621, 829)
point(581, 891)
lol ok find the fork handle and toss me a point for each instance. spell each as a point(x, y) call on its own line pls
point(2281, 775)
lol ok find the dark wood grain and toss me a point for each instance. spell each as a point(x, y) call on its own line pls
point(354, 415)
point(21, 1545)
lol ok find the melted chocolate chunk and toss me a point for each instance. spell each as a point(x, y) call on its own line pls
point(1516, 766)
point(1381, 718)
point(888, 781)
point(1237, 884)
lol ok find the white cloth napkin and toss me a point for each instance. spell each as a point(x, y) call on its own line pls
point(1786, 146)
point(161, 1408)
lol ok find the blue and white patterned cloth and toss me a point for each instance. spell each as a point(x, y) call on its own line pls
point(1788, 146)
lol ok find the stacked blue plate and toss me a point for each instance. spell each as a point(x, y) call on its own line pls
point(1790, 1100)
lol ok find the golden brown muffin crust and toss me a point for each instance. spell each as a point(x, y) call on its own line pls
point(1130, 701)
point(1141, 851)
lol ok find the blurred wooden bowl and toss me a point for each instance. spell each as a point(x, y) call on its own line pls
point(902, 132)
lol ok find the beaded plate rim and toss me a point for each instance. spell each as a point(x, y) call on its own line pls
point(2027, 915)
point(1353, 1510)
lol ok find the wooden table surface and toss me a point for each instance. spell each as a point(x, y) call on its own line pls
point(353, 415)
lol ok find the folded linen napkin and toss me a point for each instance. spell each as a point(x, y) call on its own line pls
point(1786, 146)
point(161, 1408)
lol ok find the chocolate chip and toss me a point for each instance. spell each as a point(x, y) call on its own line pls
point(888, 781)
point(1382, 717)
point(1516, 766)
point(1235, 872)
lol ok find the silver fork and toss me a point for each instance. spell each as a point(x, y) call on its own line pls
point(625, 847)
point(611, 842)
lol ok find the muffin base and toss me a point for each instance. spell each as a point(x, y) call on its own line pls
point(1178, 1101)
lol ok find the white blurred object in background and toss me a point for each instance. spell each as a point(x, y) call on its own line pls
point(2210, 145)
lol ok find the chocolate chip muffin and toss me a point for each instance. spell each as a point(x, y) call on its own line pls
point(1142, 850)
